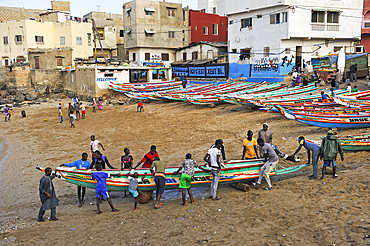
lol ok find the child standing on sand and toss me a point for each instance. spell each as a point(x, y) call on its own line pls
point(126, 161)
point(140, 106)
point(94, 105)
point(133, 186)
point(101, 187)
point(83, 108)
point(60, 114)
point(7, 114)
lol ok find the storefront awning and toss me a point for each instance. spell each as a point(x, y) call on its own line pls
point(129, 9)
point(149, 9)
point(149, 31)
point(128, 31)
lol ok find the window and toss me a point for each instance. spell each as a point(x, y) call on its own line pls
point(171, 34)
point(318, 16)
point(109, 74)
point(18, 38)
point(171, 12)
point(233, 51)
point(359, 49)
point(147, 56)
point(215, 29)
point(266, 51)
point(184, 56)
point(149, 35)
point(59, 62)
point(210, 55)
point(287, 51)
point(6, 40)
point(89, 39)
point(194, 55)
point(367, 20)
point(128, 11)
point(259, 16)
point(214, 10)
point(100, 32)
point(246, 23)
point(148, 12)
point(134, 56)
point(62, 40)
point(195, 28)
point(79, 40)
point(37, 63)
point(203, 10)
point(245, 54)
point(121, 33)
point(165, 57)
point(284, 17)
point(333, 17)
point(205, 31)
point(337, 48)
point(274, 19)
point(39, 39)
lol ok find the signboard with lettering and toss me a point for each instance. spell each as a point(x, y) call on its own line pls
point(205, 71)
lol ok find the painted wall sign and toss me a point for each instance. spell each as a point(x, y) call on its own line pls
point(208, 71)
point(106, 79)
point(197, 71)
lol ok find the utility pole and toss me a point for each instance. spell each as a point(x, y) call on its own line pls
point(97, 34)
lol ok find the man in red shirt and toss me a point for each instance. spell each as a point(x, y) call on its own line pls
point(140, 106)
point(148, 158)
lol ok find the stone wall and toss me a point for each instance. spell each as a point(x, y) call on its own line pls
point(42, 79)
point(61, 6)
point(18, 76)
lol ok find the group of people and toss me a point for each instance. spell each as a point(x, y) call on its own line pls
point(214, 158)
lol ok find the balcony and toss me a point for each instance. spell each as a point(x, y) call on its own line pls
point(323, 27)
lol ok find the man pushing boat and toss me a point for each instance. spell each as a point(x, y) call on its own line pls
point(309, 146)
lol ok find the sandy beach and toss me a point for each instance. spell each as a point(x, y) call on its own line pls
point(298, 211)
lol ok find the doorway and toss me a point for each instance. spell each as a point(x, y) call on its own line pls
point(298, 57)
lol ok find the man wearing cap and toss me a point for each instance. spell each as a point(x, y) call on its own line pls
point(330, 147)
point(266, 135)
point(309, 146)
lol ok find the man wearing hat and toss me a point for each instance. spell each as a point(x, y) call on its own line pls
point(330, 147)
point(266, 135)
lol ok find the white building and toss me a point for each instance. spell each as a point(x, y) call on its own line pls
point(269, 37)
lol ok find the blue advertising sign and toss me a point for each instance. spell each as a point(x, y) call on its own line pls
point(197, 71)
point(180, 71)
point(216, 71)
point(208, 71)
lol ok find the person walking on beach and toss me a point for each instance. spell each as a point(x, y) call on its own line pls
point(94, 105)
point(7, 114)
point(101, 160)
point(148, 158)
point(222, 149)
point(330, 147)
point(271, 160)
point(72, 118)
point(266, 135)
point(80, 164)
point(185, 180)
point(213, 159)
point(47, 195)
point(310, 147)
point(250, 147)
point(83, 108)
point(140, 106)
point(159, 179)
point(60, 113)
point(352, 72)
point(77, 110)
point(94, 145)
point(70, 109)
point(101, 187)
point(134, 185)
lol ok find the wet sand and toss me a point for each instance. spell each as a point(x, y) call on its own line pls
point(297, 211)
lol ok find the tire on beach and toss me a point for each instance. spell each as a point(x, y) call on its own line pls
point(145, 196)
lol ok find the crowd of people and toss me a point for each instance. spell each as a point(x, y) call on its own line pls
point(214, 158)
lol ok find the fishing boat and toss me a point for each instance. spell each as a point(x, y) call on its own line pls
point(235, 171)
point(355, 145)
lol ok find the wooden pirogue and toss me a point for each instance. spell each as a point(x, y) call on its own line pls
point(235, 171)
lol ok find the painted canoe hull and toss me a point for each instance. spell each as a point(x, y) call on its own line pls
point(235, 171)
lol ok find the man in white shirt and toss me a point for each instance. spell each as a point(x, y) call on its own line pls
point(213, 159)
point(94, 144)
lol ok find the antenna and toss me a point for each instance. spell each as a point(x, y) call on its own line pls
point(98, 7)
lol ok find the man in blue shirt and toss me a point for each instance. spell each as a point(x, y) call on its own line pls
point(80, 164)
point(309, 146)
point(101, 186)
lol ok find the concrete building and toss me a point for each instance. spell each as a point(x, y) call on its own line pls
point(154, 29)
point(111, 33)
point(365, 32)
point(19, 37)
point(207, 27)
point(203, 51)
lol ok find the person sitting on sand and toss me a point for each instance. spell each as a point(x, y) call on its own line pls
point(271, 160)
point(213, 159)
point(134, 185)
point(330, 147)
point(185, 180)
point(100, 159)
point(159, 179)
point(7, 114)
point(140, 106)
point(101, 187)
point(80, 164)
point(47, 195)
point(309, 146)
point(72, 118)
point(148, 158)
point(250, 147)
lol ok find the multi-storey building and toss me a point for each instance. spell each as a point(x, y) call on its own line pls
point(365, 32)
point(154, 29)
point(268, 38)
